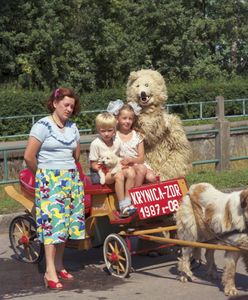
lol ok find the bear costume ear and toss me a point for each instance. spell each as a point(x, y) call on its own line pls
point(132, 77)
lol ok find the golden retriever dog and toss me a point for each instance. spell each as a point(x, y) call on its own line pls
point(110, 162)
point(207, 214)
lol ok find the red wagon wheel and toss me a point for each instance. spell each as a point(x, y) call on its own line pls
point(24, 240)
point(117, 256)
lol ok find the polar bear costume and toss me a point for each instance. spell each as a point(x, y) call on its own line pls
point(167, 149)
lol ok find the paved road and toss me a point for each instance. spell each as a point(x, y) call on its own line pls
point(155, 278)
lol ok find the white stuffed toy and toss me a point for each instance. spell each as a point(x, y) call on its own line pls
point(110, 162)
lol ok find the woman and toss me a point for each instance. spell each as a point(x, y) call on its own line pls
point(52, 150)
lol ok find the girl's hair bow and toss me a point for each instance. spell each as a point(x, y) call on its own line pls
point(114, 107)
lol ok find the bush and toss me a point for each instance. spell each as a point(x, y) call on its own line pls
point(100, 99)
point(17, 102)
point(203, 91)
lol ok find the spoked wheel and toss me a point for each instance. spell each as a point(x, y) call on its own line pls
point(117, 256)
point(24, 239)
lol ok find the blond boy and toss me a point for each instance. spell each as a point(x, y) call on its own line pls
point(123, 180)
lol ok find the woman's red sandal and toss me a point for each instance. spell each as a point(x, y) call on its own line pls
point(52, 284)
point(65, 275)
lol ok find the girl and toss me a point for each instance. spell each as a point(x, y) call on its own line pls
point(132, 144)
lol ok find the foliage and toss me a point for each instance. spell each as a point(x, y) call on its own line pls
point(19, 102)
point(206, 91)
point(93, 44)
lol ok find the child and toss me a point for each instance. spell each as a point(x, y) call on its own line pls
point(132, 145)
point(123, 180)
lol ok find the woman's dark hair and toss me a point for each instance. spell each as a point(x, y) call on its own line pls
point(59, 94)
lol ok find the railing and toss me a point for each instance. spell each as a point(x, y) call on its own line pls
point(17, 154)
point(221, 133)
point(187, 112)
point(5, 151)
point(205, 110)
point(220, 160)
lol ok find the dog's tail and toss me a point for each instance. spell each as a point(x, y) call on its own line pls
point(185, 220)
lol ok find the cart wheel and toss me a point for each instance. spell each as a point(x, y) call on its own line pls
point(116, 256)
point(24, 240)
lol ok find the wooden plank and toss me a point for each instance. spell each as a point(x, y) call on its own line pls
point(11, 191)
point(189, 243)
point(155, 230)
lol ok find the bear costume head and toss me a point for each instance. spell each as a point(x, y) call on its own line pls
point(147, 88)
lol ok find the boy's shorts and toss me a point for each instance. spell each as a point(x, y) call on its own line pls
point(95, 178)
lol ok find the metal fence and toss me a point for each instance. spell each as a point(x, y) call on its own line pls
point(11, 160)
point(192, 111)
point(206, 110)
point(11, 157)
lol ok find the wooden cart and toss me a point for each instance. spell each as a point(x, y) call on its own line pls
point(156, 204)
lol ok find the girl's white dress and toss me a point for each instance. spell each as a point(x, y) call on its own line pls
point(130, 148)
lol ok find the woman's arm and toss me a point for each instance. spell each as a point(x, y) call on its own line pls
point(33, 147)
point(76, 152)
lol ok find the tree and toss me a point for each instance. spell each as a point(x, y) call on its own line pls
point(90, 44)
point(40, 47)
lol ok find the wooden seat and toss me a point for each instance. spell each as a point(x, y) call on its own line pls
point(93, 189)
point(27, 182)
point(96, 189)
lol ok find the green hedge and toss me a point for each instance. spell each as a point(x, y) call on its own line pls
point(25, 102)
point(203, 90)
point(15, 102)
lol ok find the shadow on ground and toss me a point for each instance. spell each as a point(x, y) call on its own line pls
point(20, 279)
point(199, 271)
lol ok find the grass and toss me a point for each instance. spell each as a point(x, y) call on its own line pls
point(7, 204)
point(212, 121)
point(221, 180)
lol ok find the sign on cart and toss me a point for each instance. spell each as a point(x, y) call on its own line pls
point(159, 198)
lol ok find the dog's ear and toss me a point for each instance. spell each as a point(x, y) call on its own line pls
point(244, 199)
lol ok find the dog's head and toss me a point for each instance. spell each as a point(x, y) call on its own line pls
point(147, 88)
point(109, 159)
point(244, 203)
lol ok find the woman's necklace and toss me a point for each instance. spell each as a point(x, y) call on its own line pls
point(59, 126)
